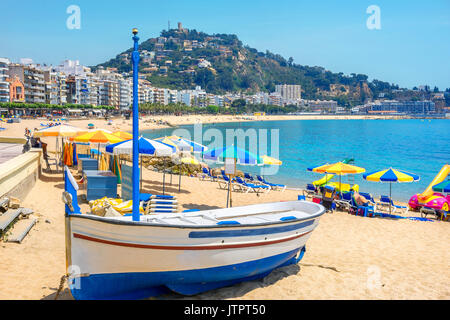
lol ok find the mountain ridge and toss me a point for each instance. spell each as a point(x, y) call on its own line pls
point(220, 63)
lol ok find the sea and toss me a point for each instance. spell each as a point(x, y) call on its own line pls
point(420, 146)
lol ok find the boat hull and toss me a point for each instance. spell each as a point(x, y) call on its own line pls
point(109, 259)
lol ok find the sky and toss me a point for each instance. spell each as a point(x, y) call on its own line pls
point(411, 47)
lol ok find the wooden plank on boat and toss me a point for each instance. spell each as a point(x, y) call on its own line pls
point(7, 218)
point(21, 229)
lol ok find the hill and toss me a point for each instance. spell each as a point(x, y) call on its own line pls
point(219, 63)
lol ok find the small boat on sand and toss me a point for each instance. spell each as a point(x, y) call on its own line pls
point(187, 253)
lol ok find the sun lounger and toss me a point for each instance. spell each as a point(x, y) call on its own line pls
point(223, 182)
point(275, 186)
point(249, 177)
point(385, 201)
point(247, 187)
point(207, 174)
point(310, 190)
point(345, 200)
point(366, 211)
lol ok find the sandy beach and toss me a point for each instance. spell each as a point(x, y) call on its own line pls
point(347, 257)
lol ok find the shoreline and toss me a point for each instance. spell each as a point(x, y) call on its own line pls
point(341, 257)
point(154, 122)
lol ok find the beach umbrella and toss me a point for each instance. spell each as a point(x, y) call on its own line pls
point(339, 168)
point(146, 146)
point(180, 145)
point(98, 136)
point(391, 175)
point(187, 145)
point(443, 187)
point(123, 135)
point(63, 130)
point(242, 157)
point(238, 155)
point(270, 161)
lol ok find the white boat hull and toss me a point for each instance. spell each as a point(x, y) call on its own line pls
point(111, 259)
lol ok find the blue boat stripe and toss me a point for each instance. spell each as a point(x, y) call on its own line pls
point(248, 232)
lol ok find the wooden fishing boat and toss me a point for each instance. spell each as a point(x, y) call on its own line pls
point(188, 252)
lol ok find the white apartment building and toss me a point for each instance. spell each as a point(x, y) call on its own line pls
point(4, 84)
point(55, 87)
point(72, 67)
point(290, 92)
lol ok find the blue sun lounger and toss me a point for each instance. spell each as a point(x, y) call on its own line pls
point(207, 174)
point(247, 187)
point(248, 177)
point(275, 186)
point(385, 201)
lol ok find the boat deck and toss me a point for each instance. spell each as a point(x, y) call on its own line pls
point(251, 215)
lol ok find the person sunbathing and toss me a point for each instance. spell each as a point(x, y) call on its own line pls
point(359, 199)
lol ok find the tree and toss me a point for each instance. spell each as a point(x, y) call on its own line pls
point(238, 104)
point(290, 61)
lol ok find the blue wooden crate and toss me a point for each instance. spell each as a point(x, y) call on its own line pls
point(100, 184)
point(89, 164)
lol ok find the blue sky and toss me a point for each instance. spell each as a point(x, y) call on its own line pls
point(412, 48)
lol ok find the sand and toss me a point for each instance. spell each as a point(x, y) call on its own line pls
point(347, 257)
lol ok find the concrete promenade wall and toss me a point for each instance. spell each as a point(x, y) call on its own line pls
point(19, 174)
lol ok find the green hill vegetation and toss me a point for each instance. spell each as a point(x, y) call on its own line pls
point(174, 60)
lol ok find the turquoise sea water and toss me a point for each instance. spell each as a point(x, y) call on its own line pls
point(417, 146)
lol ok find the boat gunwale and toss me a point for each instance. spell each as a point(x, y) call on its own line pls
point(215, 226)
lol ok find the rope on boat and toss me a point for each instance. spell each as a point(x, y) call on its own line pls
point(61, 286)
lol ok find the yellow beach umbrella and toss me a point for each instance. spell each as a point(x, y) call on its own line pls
point(266, 160)
point(124, 135)
point(340, 169)
point(98, 136)
point(63, 130)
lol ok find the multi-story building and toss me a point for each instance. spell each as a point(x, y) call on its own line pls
point(4, 76)
point(80, 90)
point(185, 96)
point(32, 79)
point(325, 106)
point(145, 92)
point(16, 90)
point(55, 87)
point(109, 93)
point(393, 106)
point(125, 93)
point(275, 99)
point(289, 91)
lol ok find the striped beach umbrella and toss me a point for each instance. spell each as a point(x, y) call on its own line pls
point(98, 136)
point(391, 175)
point(146, 146)
point(270, 161)
point(63, 130)
point(195, 146)
point(442, 187)
point(242, 157)
point(123, 135)
point(339, 168)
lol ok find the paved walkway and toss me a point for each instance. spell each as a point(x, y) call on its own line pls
point(9, 151)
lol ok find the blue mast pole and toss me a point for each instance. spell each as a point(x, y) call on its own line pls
point(135, 178)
